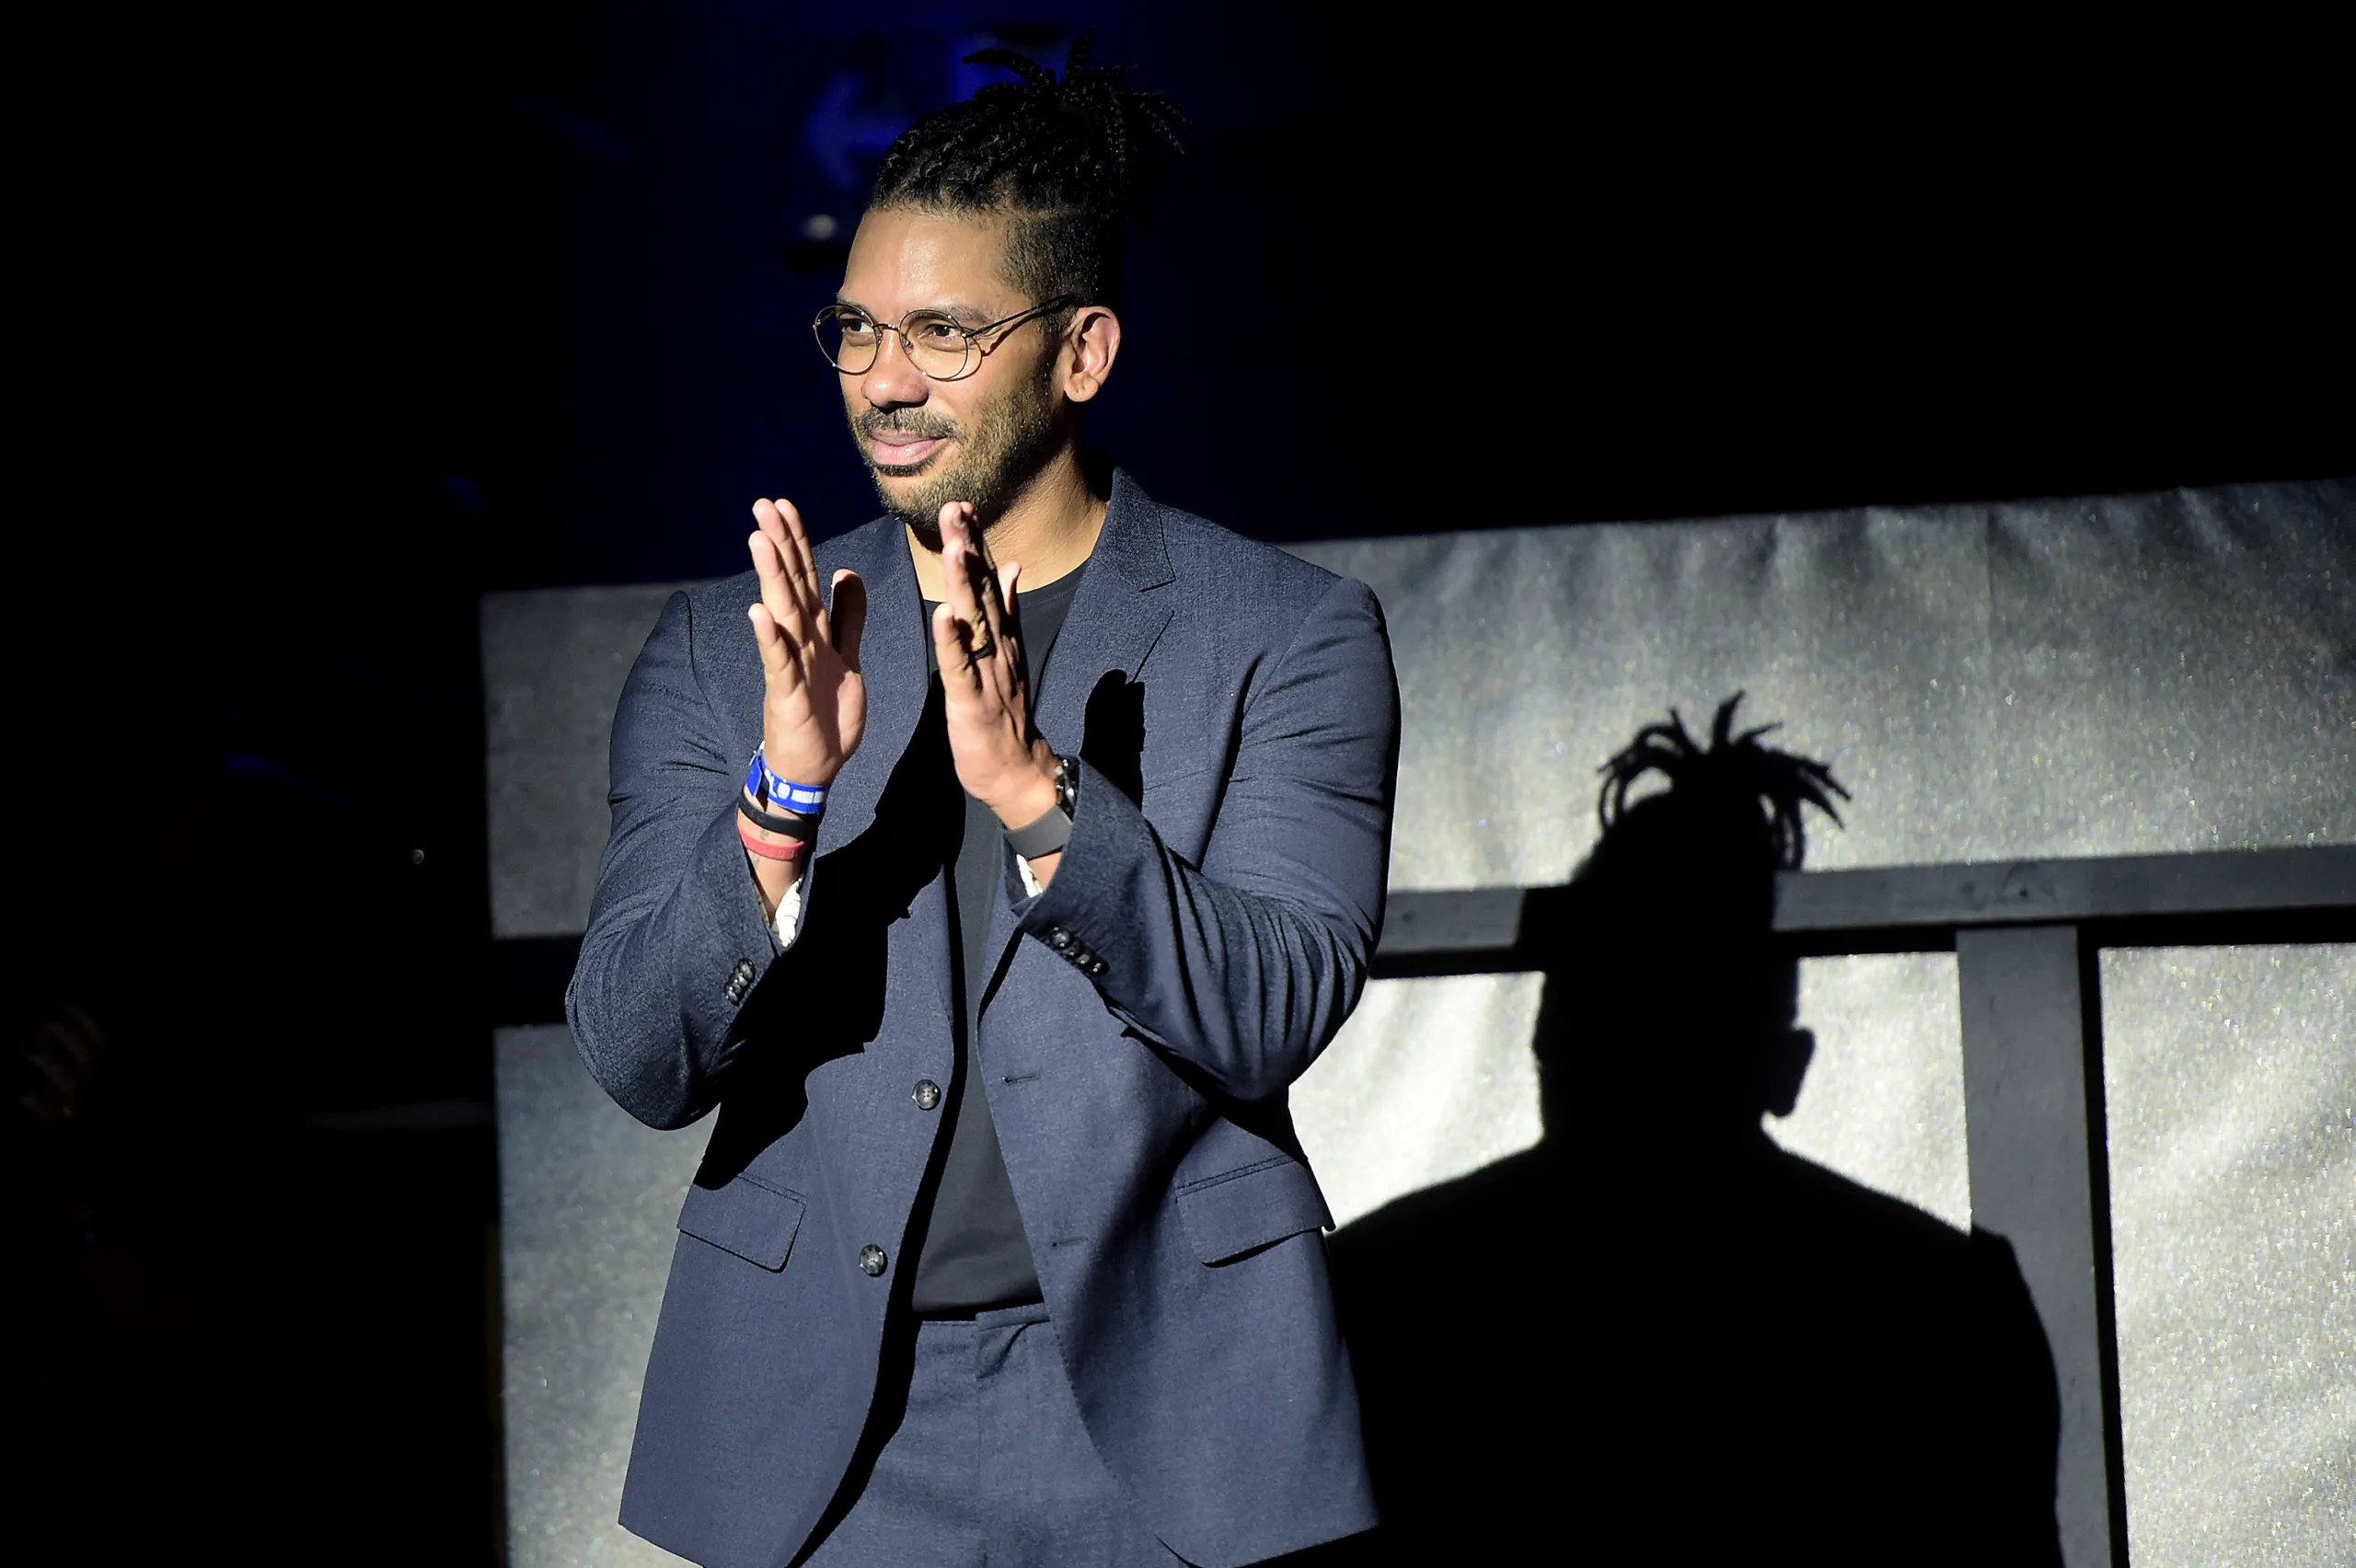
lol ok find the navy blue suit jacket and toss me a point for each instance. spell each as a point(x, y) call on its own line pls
point(1237, 720)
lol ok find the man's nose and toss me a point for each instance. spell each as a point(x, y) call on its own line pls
point(891, 382)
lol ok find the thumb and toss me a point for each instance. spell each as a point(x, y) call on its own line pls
point(848, 613)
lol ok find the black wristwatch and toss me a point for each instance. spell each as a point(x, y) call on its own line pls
point(1051, 832)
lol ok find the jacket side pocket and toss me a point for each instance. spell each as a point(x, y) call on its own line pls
point(1241, 1211)
point(756, 1223)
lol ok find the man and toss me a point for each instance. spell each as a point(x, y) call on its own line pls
point(1061, 856)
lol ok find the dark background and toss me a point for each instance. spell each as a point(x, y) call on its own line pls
point(330, 322)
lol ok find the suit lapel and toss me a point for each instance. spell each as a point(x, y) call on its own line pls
point(1123, 607)
point(892, 661)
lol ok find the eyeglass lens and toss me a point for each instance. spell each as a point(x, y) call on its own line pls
point(937, 346)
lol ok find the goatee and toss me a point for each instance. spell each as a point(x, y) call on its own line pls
point(1011, 442)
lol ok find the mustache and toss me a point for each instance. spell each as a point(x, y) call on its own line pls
point(907, 422)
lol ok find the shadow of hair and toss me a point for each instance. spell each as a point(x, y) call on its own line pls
point(1657, 1334)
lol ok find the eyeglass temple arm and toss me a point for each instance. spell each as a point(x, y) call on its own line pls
point(977, 333)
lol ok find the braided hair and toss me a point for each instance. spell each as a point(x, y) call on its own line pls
point(1707, 847)
point(1063, 157)
point(1764, 787)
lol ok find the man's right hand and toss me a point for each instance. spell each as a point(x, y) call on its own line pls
point(816, 706)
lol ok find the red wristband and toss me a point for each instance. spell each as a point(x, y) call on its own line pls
point(789, 850)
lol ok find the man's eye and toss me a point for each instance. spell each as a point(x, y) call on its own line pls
point(855, 329)
point(936, 333)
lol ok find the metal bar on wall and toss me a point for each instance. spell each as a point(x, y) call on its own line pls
point(2236, 895)
point(2241, 881)
point(2033, 1117)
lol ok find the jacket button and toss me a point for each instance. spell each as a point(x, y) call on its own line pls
point(926, 1094)
point(1059, 939)
point(870, 1260)
point(740, 980)
point(1096, 966)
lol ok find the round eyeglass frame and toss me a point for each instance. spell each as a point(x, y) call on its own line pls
point(970, 337)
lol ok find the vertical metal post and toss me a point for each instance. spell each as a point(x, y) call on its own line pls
point(2033, 1087)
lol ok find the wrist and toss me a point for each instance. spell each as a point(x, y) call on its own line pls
point(814, 776)
point(766, 827)
point(770, 790)
point(1033, 795)
point(769, 845)
point(1039, 839)
point(771, 809)
point(772, 879)
point(795, 762)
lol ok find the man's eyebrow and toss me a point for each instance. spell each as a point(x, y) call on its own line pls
point(960, 313)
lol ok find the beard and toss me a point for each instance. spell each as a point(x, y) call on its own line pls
point(1010, 441)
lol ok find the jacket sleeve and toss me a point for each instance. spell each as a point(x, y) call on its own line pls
point(1246, 965)
point(675, 939)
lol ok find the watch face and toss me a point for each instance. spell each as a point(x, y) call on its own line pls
point(1067, 785)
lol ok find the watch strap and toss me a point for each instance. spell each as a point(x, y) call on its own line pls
point(1053, 831)
point(1045, 836)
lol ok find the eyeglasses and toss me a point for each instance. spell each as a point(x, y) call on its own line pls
point(937, 344)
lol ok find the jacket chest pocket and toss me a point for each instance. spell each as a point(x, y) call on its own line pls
point(1241, 1211)
point(758, 1224)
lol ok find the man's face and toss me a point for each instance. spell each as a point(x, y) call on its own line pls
point(980, 438)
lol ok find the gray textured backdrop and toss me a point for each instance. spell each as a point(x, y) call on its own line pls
point(2097, 676)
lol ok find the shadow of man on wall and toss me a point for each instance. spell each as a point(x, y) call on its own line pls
point(1657, 1336)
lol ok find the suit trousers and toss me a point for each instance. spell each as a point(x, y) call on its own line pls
point(991, 1465)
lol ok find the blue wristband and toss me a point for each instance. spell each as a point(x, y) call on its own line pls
point(770, 790)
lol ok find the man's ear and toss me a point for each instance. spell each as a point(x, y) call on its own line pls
point(1091, 343)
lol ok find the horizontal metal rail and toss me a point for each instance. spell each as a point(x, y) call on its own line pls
point(2224, 897)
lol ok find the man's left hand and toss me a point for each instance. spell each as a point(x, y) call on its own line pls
point(1001, 761)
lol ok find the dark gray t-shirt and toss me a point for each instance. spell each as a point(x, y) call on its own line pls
point(975, 1255)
